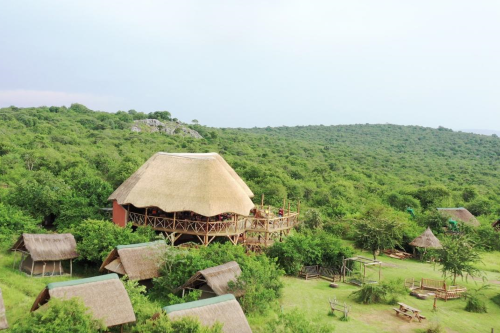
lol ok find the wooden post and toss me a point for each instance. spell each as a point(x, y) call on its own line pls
point(434, 307)
point(43, 270)
point(60, 268)
point(206, 233)
point(174, 223)
point(128, 211)
point(288, 207)
point(21, 262)
point(262, 201)
point(146, 217)
point(32, 266)
point(71, 267)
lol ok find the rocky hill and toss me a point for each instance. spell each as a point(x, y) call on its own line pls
point(167, 127)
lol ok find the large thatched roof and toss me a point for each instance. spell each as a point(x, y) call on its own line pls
point(138, 261)
point(223, 309)
point(427, 240)
point(217, 278)
point(47, 247)
point(201, 183)
point(104, 295)
point(3, 318)
point(460, 214)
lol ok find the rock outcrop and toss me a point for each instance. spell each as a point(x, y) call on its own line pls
point(168, 127)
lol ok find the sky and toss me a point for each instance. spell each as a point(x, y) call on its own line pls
point(259, 63)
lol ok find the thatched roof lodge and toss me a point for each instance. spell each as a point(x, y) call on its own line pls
point(3, 317)
point(224, 309)
point(460, 214)
point(42, 254)
point(137, 261)
point(427, 240)
point(214, 281)
point(194, 196)
point(104, 295)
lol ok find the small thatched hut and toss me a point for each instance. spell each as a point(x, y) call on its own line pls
point(223, 309)
point(427, 240)
point(460, 214)
point(42, 254)
point(137, 261)
point(3, 317)
point(214, 281)
point(104, 295)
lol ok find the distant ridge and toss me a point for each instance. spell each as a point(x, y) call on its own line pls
point(481, 131)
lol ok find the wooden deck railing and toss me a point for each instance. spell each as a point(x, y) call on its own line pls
point(228, 227)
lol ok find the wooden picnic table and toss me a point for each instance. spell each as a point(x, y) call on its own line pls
point(409, 312)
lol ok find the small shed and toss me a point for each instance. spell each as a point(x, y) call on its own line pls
point(460, 214)
point(427, 240)
point(137, 261)
point(224, 309)
point(3, 317)
point(214, 281)
point(43, 254)
point(104, 295)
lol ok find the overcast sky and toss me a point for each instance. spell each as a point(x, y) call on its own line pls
point(259, 63)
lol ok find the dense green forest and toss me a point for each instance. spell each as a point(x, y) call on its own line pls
point(60, 164)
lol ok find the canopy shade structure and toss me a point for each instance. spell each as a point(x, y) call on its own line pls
point(137, 261)
point(200, 183)
point(460, 214)
point(47, 247)
point(224, 309)
point(427, 240)
point(104, 295)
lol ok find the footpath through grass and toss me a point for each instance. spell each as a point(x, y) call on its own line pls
point(312, 296)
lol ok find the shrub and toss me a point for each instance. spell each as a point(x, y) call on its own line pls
point(475, 300)
point(13, 222)
point(95, 238)
point(260, 277)
point(60, 316)
point(385, 292)
point(162, 324)
point(296, 322)
point(318, 248)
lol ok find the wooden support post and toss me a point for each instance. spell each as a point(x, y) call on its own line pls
point(206, 233)
point(262, 201)
point(53, 269)
point(128, 212)
point(21, 262)
point(60, 268)
point(174, 224)
point(43, 270)
point(434, 307)
point(71, 267)
point(32, 266)
point(146, 217)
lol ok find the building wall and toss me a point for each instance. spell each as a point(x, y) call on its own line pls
point(119, 214)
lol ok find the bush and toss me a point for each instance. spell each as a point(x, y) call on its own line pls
point(385, 292)
point(96, 238)
point(260, 277)
point(60, 316)
point(296, 322)
point(162, 324)
point(475, 300)
point(13, 222)
point(318, 248)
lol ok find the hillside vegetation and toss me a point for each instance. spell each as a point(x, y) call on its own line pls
point(60, 164)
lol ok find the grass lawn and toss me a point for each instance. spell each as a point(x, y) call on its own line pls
point(312, 298)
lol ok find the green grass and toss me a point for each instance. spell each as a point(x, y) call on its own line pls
point(311, 297)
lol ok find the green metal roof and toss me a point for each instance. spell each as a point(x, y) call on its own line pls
point(54, 285)
point(198, 304)
point(119, 247)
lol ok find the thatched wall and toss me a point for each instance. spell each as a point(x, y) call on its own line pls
point(460, 214)
point(104, 295)
point(201, 183)
point(137, 261)
point(3, 317)
point(47, 247)
point(223, 309)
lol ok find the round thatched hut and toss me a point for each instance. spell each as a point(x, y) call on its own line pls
point(427, 240)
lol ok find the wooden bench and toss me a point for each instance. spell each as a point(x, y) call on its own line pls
point(398, 312)
point(309, 272)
